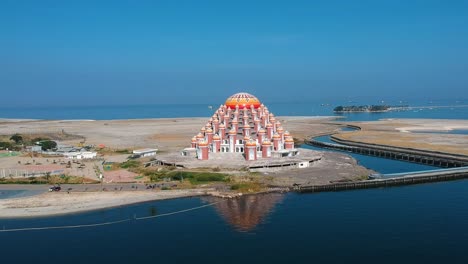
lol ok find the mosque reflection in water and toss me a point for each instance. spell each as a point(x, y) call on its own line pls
point(246, 212)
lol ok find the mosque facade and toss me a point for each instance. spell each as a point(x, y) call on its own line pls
point(245, 126)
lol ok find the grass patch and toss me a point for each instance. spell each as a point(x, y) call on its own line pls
point(246, 187)
point(197, 177)
point(55, 179)
point(123, 151)
point(130, 164)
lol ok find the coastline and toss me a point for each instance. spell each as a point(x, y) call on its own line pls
point(62, 203)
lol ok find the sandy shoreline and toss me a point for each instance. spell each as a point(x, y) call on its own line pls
point(61, 203)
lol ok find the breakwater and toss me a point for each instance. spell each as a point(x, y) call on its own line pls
point(398, 180)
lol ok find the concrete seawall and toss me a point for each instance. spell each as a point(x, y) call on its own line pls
point(424, 177)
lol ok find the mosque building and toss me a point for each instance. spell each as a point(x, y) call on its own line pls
point(243, 125)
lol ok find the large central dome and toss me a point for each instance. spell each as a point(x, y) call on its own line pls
point(243, 100)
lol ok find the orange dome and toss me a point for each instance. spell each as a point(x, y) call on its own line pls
point(276, 135)
point(203, 143)
point(289, 139)
point(251, 143)
point(216, 137)
point(266, 142)
point(243, 100)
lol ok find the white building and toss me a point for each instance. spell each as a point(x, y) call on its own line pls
point(147, 152)
point(80, 155)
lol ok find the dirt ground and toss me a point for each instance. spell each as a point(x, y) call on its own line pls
point(412, 133)
point(166, 134)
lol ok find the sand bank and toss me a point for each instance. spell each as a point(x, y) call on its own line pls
point(59, 203)
point(404, 133)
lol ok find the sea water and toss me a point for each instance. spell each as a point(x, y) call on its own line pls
point(104, 112)
point(424, 223)
point(410, 224)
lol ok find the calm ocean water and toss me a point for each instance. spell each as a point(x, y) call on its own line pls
point(411, 224)
point(198, 110)
point(425, 223)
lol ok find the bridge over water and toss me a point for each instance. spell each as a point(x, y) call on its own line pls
point(438, 159)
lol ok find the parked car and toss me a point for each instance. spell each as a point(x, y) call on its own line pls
point(55, 188)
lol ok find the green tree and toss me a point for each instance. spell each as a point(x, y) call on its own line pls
point(338, 109)
point(6, 145)
point(48, 144)
point(17, 138)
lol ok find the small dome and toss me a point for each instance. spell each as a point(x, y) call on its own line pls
point(280, 129)
point(247, 138)
point(209, 130)
point(232, 132)
point(289, 139)
point(276, 135)
point(262, 131)
point(242, 100)
point(286, 133)
point(251, 143)
point(200, 135)
point(194, 139)
point(269, 125)
point(216, 137)
point(222, 125)
point(266, 142)
point(203, 143)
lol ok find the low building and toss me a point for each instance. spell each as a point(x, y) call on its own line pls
point(34, 148)
point(80, 155)
point(147, 152)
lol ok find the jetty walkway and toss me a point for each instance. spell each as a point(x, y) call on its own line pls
point(389, 180)
point(432, 158)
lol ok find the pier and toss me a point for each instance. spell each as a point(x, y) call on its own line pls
point(437, 159)
point(389, 180)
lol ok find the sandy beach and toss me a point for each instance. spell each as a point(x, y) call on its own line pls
point(166, 134)
point(59, 203)
point(406, 133)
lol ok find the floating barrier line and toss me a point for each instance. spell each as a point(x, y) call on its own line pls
point(65, 227)
point(106, 223)
point(177, 212)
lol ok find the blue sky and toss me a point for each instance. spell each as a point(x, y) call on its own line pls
point(144, 52)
